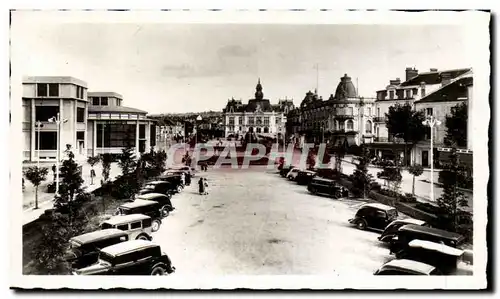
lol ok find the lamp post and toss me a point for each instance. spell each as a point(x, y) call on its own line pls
point(57, 121)
point(198, 119)
point(431, 121)
point(39, 125)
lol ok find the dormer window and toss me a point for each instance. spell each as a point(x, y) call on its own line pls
point(391, 94)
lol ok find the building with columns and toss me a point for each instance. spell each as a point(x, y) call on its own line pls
point(92, 123)
point(112, 127)
point(258, 116)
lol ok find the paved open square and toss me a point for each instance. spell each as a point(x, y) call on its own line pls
point(255, 222)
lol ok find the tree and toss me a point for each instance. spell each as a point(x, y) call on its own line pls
point(403, 121)
point(415, 170)
point(392, 176)
point(71, 188)
point(106, 160)
point(127, 160)
point(452, 198)
point(456, 126)
point(92, 161)
point(339, 153)
point(36, 176)
point(362, 180)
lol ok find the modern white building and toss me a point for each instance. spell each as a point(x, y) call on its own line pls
point(92, 123)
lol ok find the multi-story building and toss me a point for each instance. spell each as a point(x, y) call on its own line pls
point(415, 87)
point(112, 127)
point(92, 123)
point(344, 119)
point(45, 98)
point(258, 116)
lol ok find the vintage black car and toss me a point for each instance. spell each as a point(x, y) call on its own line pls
point(447, 259)
point(285, 170)
point(149, 208)
point(375, 216)
point(163, 187)
point(137, 257)
point(304, 177)
point(326, 187)
point(410, 232)
point(84, 249)
point(137, 226)
point(406, 267)
point(162, 199)
point(174, 178)
point(391, 230)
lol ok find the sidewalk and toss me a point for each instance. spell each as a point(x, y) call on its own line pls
point(45, 200)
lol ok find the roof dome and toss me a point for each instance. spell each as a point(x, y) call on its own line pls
point(345, 89)
point(259, 95)
point(307, 100)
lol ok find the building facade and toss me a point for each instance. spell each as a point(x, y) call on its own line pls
point(258, 116)
point(91, 123)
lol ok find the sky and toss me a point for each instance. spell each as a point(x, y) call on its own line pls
point(170, 68)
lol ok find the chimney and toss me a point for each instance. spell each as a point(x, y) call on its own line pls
point(433, 70)
point(445, 78)
point(411, 73)
point(395, 82)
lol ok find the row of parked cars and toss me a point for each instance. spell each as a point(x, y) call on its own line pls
point(417, 248)
point(124, 245)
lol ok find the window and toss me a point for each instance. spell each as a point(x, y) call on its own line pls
point(116, 135)
point(135, 225)
point(408, 93)
point(422, 92)
point(251, 121)
point(259, 130)
point(266, 121)
point(278, 120)
point(259, 120)
point(122, 227)
point(41, 90)
point(152, 135)
point(43, 113)
point(95, 101)
point(350, 125)
point(54, 90)
point(378, 112)
point(391, 94)
point(231, 121)
point(79, 92)
point(369, 111)
point(104, 101)
point(361, 111)
point(48, 140)
point(240, 120)
point(142, 131)
point(118, 102)
point(368, 127)
point(80, 135)
point(428, 111)
point(349, 111)
point(80, 115)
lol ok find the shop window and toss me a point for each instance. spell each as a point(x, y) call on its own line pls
point(43, 113)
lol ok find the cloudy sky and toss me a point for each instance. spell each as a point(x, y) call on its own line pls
point(166, 68)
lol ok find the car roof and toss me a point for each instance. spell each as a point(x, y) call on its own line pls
point(378, 206)
point(157, 183)
point(98, 235)
point(149, 196)
point(404, 264)
point(128, 246)
point(442, 248)
point(431, 231)
point(117, 220)
point(323, 179)
point(138, 203)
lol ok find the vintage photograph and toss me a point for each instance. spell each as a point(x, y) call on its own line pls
point(351, 147)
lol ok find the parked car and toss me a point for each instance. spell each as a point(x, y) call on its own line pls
point(163, 187)
point(149, 208)
point(137, 226)
point(374, 216)
point(393, 227)
point(410, 232)
point(174, 178)
point(406, 267)
point(84, 249)
point(447, 259)
point(304, 177)
point(285, 170)
point(326, 187)
point(162, 199)
point(292, 174)
point(136, 257)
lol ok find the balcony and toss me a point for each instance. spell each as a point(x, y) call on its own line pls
point(343, 115)
point(380, 119)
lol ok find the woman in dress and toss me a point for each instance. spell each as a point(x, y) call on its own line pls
point(201, 186)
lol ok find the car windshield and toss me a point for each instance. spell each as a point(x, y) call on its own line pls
point(149, 186)
point(393, 213)
point(106, 225)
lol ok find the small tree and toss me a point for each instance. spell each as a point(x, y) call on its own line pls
point(106, 160)
point(415, 170)
point(456, 126)
point(392, 176)
point(127, 160)
point(36, 176)
point(92, 161)
point(452, 198)
point(362, 180)
point(339, 153)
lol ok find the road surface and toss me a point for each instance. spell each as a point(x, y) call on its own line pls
point(255, 222)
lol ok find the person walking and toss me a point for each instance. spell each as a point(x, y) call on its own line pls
point(92, 175)
point(188, 178)
point(205, 183)
point(183, 179)
point(201, 186)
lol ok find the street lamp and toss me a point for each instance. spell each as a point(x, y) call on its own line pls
point(198, 119)
point(431, 121)
point(39, 125)
point(58, 121)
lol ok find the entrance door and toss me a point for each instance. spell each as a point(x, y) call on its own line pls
point(80, 147)
point(425, 158)
point(142, 146)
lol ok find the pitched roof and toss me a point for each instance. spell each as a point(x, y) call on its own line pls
point(117, 109)
point(453, 91)
point(434, 77)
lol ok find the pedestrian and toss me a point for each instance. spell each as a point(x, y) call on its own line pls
point(54, 171)
point(183, 179)
point(188, 178)
point(92, 175)
point(205, 183)
point(201, 186)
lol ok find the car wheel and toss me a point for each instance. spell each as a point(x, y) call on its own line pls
point(290, 178)
point(361, 224)
point(155, 225)
point(159, 270)
point(165, 211)
point(312, 190)
point(179, 188)
point(143, 237)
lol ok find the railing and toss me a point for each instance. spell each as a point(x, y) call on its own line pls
point(380, 119)
point(343, 115)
